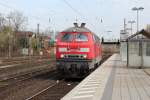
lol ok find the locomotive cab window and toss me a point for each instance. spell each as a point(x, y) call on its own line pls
point(67, 37)
point(81, 37)
point(96, 39)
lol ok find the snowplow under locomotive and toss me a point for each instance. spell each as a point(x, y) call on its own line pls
point(78, 51)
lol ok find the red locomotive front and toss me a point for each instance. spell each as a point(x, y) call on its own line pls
point(77, 51)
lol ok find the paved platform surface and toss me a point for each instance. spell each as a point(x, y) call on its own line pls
point(113, 81)
point(147, 70)
point(130, 84)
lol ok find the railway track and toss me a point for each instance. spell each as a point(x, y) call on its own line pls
point(13, 70)
point(54, 91)
point(54, 85)
point(24, 68)
point(43, 91)
point(21, 58)
point(6, 81)
point(22, 61)
point(58, 90)
point(23, 87)
point(39, 87)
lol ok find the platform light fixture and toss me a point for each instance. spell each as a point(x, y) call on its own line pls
point(137, 9)
point(131, 22)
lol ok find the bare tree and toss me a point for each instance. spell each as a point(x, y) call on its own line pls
point(2, 22)
point(18, 20)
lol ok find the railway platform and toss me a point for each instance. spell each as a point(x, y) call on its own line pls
point(113, 80)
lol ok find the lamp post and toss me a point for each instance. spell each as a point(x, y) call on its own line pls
point(9, 41)
point(131, 22)
point(137, 9)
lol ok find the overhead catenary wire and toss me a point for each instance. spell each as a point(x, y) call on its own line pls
point(39, 19)
point(67, 3)
point(75, 10)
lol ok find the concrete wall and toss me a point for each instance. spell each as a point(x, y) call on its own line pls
point(123, 51)
point(134, 60)
point(146, 58)
point(137, 60)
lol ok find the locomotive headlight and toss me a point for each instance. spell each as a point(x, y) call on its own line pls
point(84, 56)
point(84, 49)
point(62, 49)
point(62, 56)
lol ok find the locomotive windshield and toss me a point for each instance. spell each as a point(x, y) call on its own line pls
point(81, 37)
point(67, 37)
point(78, 37)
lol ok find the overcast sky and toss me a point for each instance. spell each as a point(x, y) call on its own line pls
point(100, 15)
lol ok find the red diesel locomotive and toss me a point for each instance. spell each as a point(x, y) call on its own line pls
point(78, 51)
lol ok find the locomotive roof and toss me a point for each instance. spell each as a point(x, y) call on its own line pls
point(77, 29)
